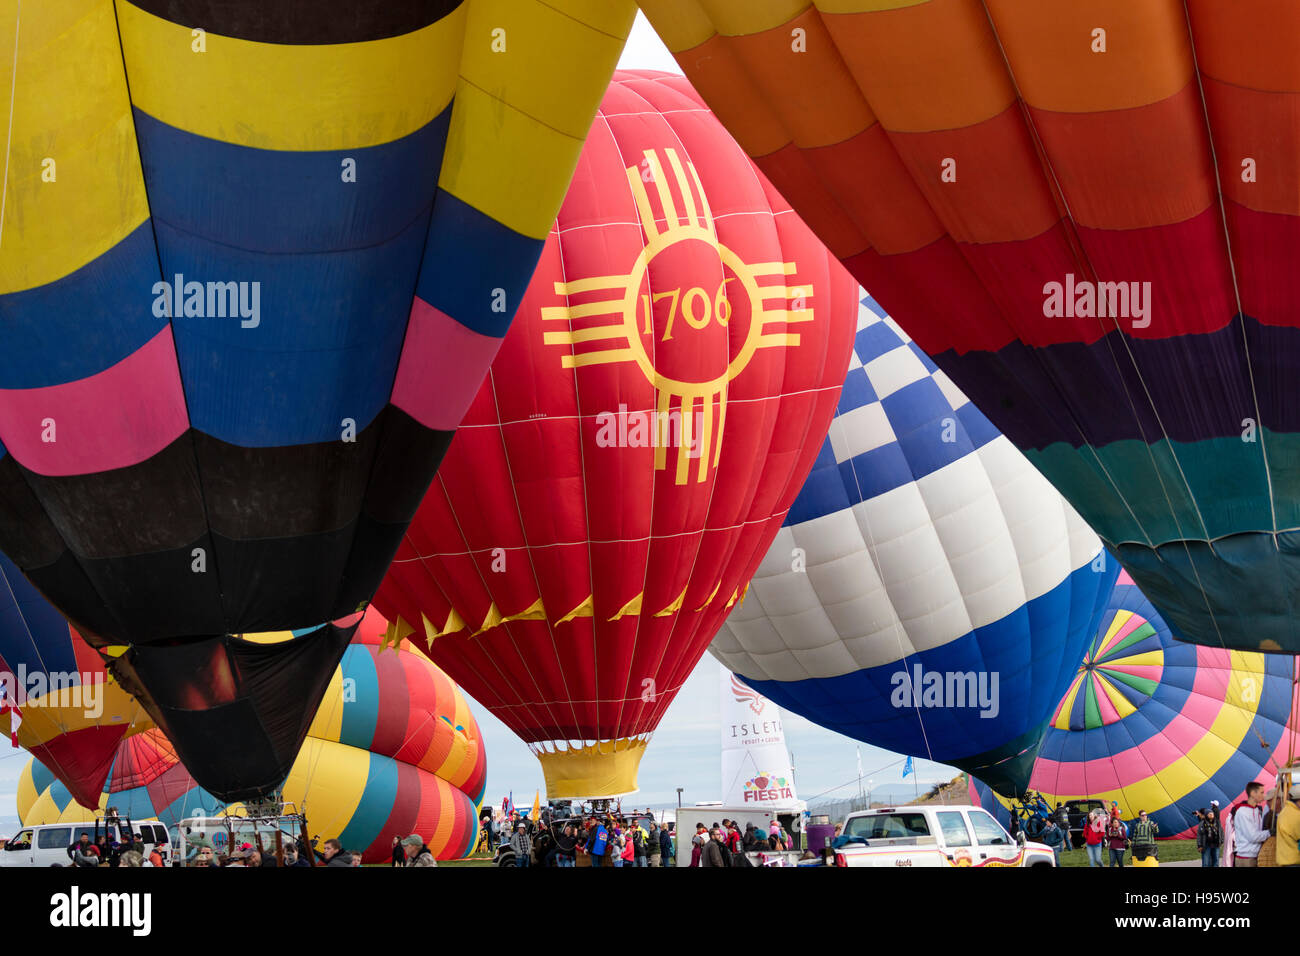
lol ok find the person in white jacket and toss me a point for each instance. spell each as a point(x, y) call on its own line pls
point(1248, 828)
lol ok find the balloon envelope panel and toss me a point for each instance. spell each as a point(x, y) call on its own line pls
point(642, 432)
point(1156, 724)
point(1136, 336)
point(921, 544)
point(258, 264)
point(394, 750)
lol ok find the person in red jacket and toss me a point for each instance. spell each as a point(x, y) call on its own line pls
point(1094, 835)
point(733, 837)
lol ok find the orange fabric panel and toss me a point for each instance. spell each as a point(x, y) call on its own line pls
point(892, 212)
point(1248, 42)
point(928, 67)
point(1049, 46)
point(1000, 193)
point(1265, 127)
point(811, 91)
point(1130, 169)
point(715, 71)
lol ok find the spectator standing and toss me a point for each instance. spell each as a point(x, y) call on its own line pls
point(1248, 828)
point(1145, 832)
point(1288, 829)
point(1094, 835)
point(711, 854)
point(1052, 837)
point(1116, 840)
point(666, 847)
point(1209, 837)
point(522, 844)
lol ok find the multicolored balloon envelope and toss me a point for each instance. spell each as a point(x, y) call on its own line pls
point(393, 750)
point(72, 717)
point(1156, 724)
point(930, 593)
point(638, 440)
point(1081, 211)
point(257, 259)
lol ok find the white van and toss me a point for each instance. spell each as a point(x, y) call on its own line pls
point(47, 844)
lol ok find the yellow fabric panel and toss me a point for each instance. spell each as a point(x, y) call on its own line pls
point(680, 25)
point(41, 810)
point(1067, 705)
point(70, 105)
point(268, 637)
point(521, 116)
point(66, 711)
point(27, 795)
point(606, 769)
point(328, 722)
point(291, 96)
point(1117, 700)
point(743, 17)
point(1049, 46)
point(336, 775)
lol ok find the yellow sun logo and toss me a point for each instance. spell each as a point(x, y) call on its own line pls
point(629, 313)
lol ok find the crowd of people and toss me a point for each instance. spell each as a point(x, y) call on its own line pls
point(202, 852)
point(725, 845)
point(1235, 838)
point(592, 840)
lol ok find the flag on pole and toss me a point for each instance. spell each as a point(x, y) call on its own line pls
point(859, 763)
point(537, 806)
point(907, 768)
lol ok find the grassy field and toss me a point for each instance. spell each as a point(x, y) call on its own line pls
point(1170, 851)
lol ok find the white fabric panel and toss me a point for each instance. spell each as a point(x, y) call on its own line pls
point(860, 430)
point(954, 395)
point(893, 370)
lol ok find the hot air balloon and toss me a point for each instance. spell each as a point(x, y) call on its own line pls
point(929, 593)
point(642, 432)
point(257, 259)
point(1153, 723)
point(1080, 212)
point(71, 716)
point(394, 749)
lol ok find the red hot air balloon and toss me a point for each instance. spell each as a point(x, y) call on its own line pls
point(646, 425)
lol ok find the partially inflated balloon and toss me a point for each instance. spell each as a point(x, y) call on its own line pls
point(1085, 213)
point(1155, 724)
point(394, 750)
point(930, 592)
point(646, 425)
point(257, 259)
point(72, 716)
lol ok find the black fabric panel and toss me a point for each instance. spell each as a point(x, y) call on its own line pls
point(285, 491)
point(236, 712)
point(285, 583)
point(407, 456)
point(302, 21)
point(26, 533)
point(155, 505)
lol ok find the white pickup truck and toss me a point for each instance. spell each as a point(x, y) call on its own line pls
point(932, 836)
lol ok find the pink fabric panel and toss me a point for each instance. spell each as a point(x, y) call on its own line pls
point(441, 369)
point(122, 416)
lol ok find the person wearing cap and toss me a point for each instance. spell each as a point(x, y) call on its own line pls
point(522, 844)
point(417, 853)
point(1209, 838)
